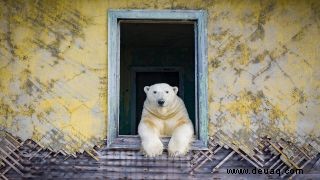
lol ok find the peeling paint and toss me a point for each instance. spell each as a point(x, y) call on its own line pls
point(263, 70)
point(46, 99)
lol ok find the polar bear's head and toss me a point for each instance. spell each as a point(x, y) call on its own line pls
point(161, 94)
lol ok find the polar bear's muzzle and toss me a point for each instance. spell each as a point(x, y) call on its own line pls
point(161, 102)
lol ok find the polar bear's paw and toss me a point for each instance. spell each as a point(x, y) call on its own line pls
point(152, 148)
point(176, 149)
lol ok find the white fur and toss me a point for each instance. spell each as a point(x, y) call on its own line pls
point(157, 121)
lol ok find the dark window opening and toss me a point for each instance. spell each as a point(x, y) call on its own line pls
point(154, 52)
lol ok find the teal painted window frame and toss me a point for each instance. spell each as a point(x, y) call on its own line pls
point(114, 140)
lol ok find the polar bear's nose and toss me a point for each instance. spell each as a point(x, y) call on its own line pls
point(161, 102)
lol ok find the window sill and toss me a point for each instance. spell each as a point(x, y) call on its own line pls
point(133, 142)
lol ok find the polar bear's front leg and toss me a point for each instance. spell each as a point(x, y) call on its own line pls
point(181, 140)
point(150, 140)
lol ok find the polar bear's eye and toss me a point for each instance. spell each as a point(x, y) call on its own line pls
point(154, 92)
point(167, 92)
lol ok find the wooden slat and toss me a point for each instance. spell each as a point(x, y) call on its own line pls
point(223, 161)
point(132, 164)
point(134, 143)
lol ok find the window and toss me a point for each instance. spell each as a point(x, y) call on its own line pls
point(147, 47)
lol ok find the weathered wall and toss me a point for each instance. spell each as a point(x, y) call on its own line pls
point(264, 70)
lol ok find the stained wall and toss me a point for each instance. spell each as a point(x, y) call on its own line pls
point(264, 70)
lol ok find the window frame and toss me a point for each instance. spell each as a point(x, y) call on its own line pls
point(116, 141)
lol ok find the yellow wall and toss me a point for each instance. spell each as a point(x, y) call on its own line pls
point(264, 70)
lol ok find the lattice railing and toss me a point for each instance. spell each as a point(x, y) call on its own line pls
point(9, 156)
point(279, 156)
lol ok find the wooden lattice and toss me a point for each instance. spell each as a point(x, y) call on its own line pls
point(287, 156)
point(29, 159)
point(279, 156)
point(9, 156)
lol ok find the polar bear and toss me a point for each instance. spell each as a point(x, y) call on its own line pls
point(164, 114)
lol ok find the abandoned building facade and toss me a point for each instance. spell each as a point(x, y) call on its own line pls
point(72, 75)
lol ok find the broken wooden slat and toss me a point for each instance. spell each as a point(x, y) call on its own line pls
point(223, 161)
point(205, 160)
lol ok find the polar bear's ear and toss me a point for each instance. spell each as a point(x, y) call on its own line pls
point(146, 89)
point(175, 89)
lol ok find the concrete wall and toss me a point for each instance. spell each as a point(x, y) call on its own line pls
point(264, 70)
